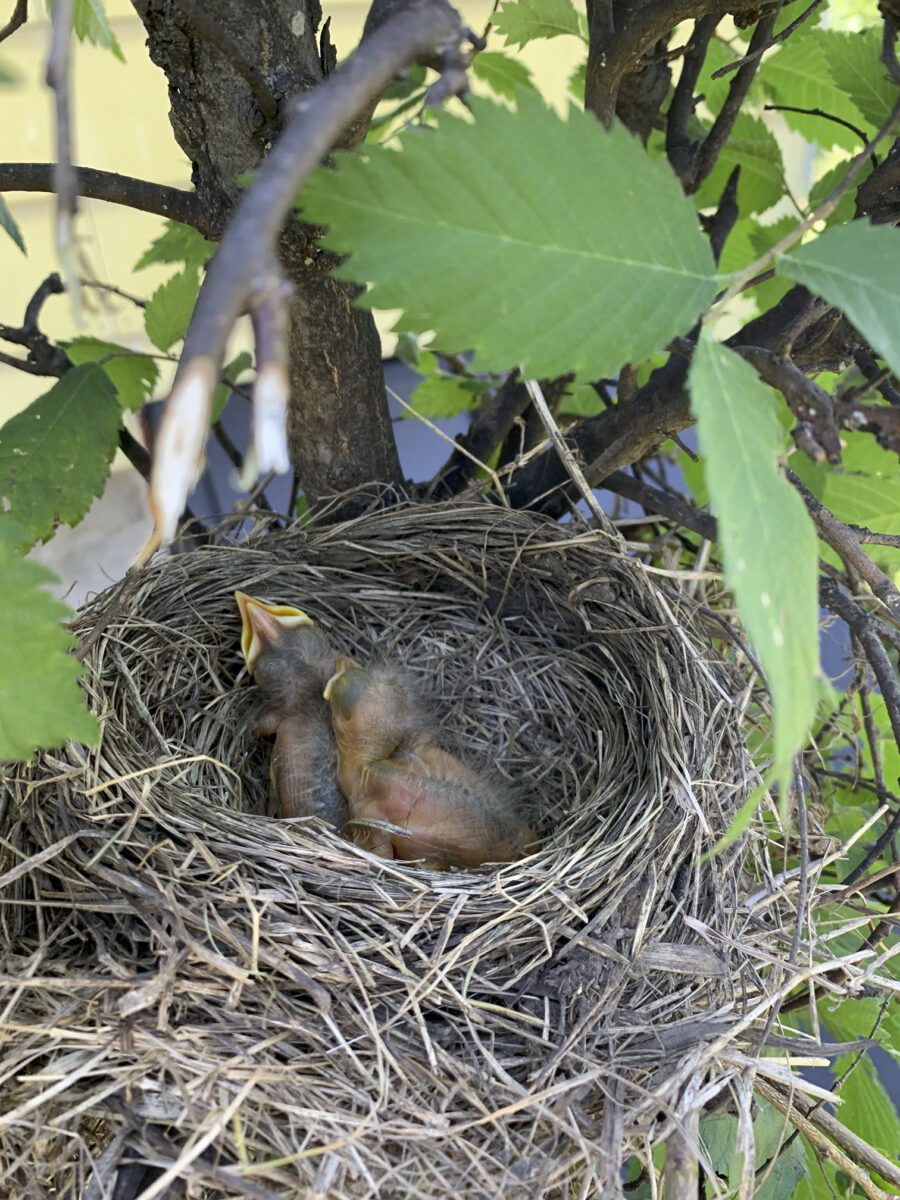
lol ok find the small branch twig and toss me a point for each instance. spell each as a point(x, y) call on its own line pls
point(575, 472)
point(316, 121)
point(759, 51)
point(18, 18)
point(211, 31)
point(817, 112)
point(827, 1134)
point(844, 542)
point(860, 623)
point(64, 179)
point(44, 358)
point(889, 43)
point(115, 189)
point(824, 210)
point(668, 505)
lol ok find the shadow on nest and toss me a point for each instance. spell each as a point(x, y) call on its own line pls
point(196, 994)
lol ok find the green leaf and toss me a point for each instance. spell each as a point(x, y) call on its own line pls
point(232, 372)
point(441, 396)
point(487, 234)
point(867, 1109)
point(55, 455)
point(9, 223)
point(857, 268)
point(169, 309)
point(522, 21)
point(92, 25)
point(502, 74)
point(41, 705)
point(783, 1168)
point(581, 401)
point(576, 82)
point(854, 61)
point(753, 148)
point(134, 376)
point(768, 542)
point(798, 75)
point(178, 244)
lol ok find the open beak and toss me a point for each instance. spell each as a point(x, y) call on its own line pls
point(263, 625)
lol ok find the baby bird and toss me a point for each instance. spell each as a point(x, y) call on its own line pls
point(408, 798)
point(291, 661)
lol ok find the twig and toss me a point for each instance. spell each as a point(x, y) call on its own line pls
point(317, 119)
point(575, 472)
point(18, 18)
point(115, 189)
point(843, 541)
point(875, 377)
point(828, 1134)
point(271, 391)
point(712, 145)
point(44, 358)
point(861, 624)
point(99, 286)
point(64, 180)
point(824, 210)
point(212, 31)
point(817, 112)
point(773, 41)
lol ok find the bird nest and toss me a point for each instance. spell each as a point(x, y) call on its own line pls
point(195, 994)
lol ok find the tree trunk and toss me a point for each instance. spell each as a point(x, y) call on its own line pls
point(339, 429)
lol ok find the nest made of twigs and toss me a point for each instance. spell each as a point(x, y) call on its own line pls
point(263, 1009)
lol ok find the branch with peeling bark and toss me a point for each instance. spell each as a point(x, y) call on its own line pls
point(315, 122)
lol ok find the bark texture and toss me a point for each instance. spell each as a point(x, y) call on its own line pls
point(339, 429)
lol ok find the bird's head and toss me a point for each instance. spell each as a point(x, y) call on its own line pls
point(285, 651)
point(372, 711)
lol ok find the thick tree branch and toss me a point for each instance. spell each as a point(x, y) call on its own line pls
point(115, 189)
point(679, 143)
point(316, 121)
point(712, 145)
point(212, 31)
point(622, 31)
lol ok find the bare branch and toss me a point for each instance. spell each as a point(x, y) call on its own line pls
point(714, 142)
point(271, 392)
point(889, 43)
point(18, 18)
point(64, 182)
point(773, 41)
point(679, 144)
point(844, 541)
point(666, 504)
point(107, 185)
point(818, 112)
point(836, 600)
point(316, 120)
point(817, 433)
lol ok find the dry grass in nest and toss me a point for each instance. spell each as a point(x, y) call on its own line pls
point(263, 1009)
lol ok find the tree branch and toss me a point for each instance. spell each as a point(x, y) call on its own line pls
point(816, 433)
point(316, 121)
point(818, 112)
point(679, 144)
point(18, 18)
point(155, 198)
point(712, 145)
point(845, 542)
point(773, 41)
point(212, 31)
